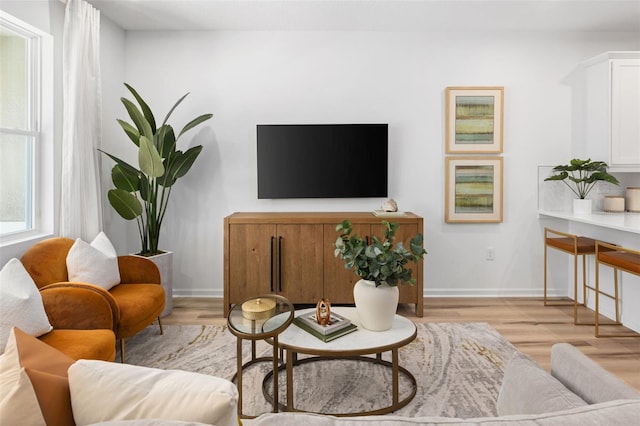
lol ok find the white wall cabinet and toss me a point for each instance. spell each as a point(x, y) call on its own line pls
point(612, 110)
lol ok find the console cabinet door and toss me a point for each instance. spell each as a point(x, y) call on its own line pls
point(339, 281)
point(300, 269)
point(251, 253)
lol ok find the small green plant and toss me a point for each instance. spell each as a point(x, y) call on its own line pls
point(143, 193)
point(584, 174)
point(376, 260)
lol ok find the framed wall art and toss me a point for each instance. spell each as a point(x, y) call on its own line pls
point(473, 189)
point(474, 120)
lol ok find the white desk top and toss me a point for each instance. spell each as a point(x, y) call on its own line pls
point(628, 222)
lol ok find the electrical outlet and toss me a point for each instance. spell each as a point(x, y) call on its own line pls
point(491, 253)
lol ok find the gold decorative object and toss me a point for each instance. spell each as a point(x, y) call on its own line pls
point(258, 309)
point(323, 311)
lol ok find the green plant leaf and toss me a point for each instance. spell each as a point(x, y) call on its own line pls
point(123, 179)
point(128, 167)
point(193, 123)
point(145, 108)
point(124, 203)
point(130, 130)
point(166, 142)
point(145, 188)
point(149, 159)
point(185, 161)
point(166, 118)
point(138, 118)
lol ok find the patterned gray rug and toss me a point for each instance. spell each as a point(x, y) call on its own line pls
point(458, 367)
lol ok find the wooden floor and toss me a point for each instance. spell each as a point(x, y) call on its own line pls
point(525, 322)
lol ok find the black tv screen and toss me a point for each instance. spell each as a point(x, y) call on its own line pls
point(322, 160)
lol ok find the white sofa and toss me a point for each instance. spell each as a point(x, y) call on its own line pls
point(577, 392)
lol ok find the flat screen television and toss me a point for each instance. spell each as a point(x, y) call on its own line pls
point(322, 160)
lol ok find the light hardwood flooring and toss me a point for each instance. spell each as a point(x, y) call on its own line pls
point(525, 322)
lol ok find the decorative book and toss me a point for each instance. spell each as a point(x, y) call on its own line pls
point(350, 328)
point(335, 323)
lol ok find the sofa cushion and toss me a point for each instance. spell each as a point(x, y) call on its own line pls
point(95, 263)
point(585, 377)
point(528, 389)
point(20, 303)
point(143, 393)
point(83, 344)
point(41, 392)
point(621, 412)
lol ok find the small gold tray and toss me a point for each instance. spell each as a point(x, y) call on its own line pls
point(258, 309)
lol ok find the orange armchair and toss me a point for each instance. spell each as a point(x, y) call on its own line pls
point(82, 320)
point(134, 303)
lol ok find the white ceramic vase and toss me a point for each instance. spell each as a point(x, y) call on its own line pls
point(581, 206)
point(376, 306)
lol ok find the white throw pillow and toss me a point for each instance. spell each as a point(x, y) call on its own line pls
point(96, 263)
point(20, 303)
point(105, 391)
point(18, 401)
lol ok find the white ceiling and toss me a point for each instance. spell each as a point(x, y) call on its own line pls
point(374, 15)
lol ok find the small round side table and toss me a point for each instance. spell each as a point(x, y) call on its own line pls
point(259, 318)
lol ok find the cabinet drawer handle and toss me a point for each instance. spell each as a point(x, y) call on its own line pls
point(271, 263)
point(280, 264)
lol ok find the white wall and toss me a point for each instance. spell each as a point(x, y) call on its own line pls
point(246, 78)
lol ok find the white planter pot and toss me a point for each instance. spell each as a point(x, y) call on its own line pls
point(376, 306)
point(164, 262)
point(581, 206)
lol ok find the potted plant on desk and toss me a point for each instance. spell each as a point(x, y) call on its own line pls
point(142, 193)
point(381, 265)
point(582, 176)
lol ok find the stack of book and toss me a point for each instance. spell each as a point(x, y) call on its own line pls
point(337, 326)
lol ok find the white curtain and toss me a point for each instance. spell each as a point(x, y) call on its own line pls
point(80, 203)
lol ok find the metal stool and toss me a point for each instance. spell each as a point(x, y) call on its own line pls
point(618, 258)
point(575, 246)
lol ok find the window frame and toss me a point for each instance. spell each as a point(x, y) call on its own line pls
point(41, 128)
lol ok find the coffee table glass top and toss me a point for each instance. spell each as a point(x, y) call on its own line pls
point(359, 342)
point(254, 322)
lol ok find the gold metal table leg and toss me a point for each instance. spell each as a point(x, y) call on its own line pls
point(239, 374)
point(290, 380)
point(394, 376)
point(275, 373)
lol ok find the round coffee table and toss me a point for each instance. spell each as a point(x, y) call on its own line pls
point(352, 346)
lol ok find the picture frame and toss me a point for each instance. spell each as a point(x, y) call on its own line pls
point(473, 189)
point(474, 120)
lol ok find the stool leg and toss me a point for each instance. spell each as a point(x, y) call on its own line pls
point(545, 274)
point(575, 288)
point(597, 322)
point(584, 280)
point(615, 283)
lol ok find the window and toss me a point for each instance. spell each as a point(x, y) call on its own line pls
point(26, 132)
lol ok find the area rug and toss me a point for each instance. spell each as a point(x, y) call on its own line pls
point(458, 367)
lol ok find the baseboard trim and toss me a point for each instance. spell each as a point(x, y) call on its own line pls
point(198, 293)
point(490, 292)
